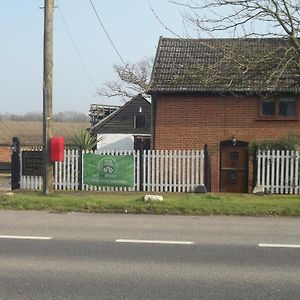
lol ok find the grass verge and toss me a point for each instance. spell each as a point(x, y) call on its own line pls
point(177, 204)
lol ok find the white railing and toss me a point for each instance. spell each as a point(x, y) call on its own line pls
point(173, 171)
point(278, 171)
point(154, 171)
point(66, 173)
point(30, 182)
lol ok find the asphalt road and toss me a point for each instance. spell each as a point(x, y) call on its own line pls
point(82, 260)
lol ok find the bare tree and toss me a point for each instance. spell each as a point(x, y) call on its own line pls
point(249, 19)
point(245, 17)
point(132, 79)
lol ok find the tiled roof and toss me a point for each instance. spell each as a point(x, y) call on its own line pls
point(225, 65)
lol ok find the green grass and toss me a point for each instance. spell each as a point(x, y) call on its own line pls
point(174, 203)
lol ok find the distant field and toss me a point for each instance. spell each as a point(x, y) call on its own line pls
point(30, 133)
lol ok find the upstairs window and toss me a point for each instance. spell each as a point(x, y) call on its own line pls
point(278, 108)
point(268, 107)
point(140, 122)
point(287, 107)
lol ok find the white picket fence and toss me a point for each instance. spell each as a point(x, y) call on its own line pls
point(66, 173)
point(173, 171)
point(278, 171)
point(155, 171)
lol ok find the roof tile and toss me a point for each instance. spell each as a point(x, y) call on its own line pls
point(225, 65)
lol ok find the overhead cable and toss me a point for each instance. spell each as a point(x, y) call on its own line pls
point(76, 48)
point(106, 32)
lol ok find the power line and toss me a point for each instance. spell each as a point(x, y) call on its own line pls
point(76, 48)
point(104, 29)
point(161, 22)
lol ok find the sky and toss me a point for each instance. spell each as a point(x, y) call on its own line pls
point(131, 25)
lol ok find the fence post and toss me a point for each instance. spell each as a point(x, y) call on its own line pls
point(207, 169)
point(257, 168)
point(140, 158)
point(15, 164)
point(80, 170)
point(297, 172)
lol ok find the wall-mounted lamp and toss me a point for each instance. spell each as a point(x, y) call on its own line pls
point(140, 109)
point(234, 139)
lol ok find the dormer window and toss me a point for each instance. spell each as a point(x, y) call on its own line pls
point(278, 108)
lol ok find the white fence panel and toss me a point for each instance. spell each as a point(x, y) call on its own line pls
point(173, 171)
point(154, 171)
point(30, 182)
point(278, 171)
point(65, 173)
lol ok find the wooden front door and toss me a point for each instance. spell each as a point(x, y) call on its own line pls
point(234, 167)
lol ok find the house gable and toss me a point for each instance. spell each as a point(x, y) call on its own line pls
point(132, 118)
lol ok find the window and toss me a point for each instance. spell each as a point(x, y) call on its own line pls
point(234, 156)
point(278, 108)
point(140, 122)
point(268, 107)
point(287, 107)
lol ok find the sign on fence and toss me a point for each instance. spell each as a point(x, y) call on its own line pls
point(32, 163)
point(108, 170)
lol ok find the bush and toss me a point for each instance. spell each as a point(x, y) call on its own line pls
point(288, 142)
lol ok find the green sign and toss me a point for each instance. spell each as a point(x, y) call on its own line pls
point(108, 170)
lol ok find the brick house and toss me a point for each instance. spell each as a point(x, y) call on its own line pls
point(203, 95)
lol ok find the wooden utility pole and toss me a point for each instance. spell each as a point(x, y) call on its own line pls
point(47, 95)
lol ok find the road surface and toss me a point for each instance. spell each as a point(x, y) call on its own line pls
point(110, 256)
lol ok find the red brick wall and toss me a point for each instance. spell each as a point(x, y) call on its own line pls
point(189, 122)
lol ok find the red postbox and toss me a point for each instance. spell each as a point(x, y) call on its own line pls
point(57, 146)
